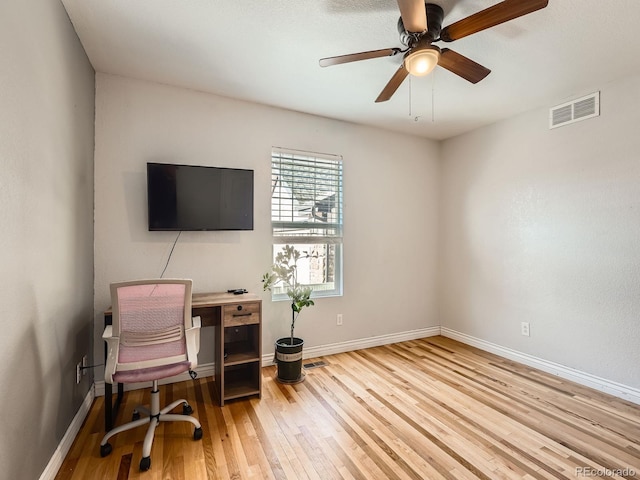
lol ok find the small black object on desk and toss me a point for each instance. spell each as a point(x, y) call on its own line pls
point(237, 291)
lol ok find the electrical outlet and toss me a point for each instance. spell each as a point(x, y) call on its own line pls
point(85, 364)
point(524, 328)
point(78, 372)
point(339, 319)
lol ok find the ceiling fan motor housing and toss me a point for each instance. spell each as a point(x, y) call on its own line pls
point(435, 16)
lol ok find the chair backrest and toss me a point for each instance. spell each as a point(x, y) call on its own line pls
point(150, 318)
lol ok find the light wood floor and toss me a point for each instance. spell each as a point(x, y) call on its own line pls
point(423, 409)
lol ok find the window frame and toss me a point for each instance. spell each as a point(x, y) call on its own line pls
point(333, 234)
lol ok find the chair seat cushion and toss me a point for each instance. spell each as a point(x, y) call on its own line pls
point(150, 374)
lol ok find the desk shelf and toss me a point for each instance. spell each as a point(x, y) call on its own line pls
point(240, 352)
point(240, 390)
point(240, 380)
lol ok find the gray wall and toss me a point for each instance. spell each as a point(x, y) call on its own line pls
point(46, 198)
point(543, 226)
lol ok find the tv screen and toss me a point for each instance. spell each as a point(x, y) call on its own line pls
point(185, 197)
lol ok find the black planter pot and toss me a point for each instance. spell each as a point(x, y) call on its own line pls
point(289, 359)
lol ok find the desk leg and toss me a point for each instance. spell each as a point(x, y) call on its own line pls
point(111, 409)
point(108, 407)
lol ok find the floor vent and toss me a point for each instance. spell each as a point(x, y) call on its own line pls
point(575, 110)
point(315, 365)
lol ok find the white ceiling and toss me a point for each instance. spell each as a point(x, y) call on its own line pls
point(267, 51)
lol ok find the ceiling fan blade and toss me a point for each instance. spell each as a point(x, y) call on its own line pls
point(414, 15)
point(490, 17)
point(391, 87)
point(354, 57)
point(462, 66)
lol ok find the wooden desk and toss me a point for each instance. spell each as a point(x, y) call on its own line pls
point(237, 320)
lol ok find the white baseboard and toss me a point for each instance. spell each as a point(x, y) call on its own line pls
point(350, 345)
point(55, 462)
point(597, 383)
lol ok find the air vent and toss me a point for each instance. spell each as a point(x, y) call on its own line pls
point(309, 366)
point(575, 110)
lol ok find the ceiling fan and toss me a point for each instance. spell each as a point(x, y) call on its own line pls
point(420, 25)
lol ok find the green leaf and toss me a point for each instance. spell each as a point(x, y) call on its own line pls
point(284, 272)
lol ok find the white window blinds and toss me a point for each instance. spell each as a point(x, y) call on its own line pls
point(306, 198)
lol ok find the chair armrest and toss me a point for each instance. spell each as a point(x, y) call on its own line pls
point(108, 332)
point(113, 347)
point(193, 341)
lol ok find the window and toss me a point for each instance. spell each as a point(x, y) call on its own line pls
point(306, 212)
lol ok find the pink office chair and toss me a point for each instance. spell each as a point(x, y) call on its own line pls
point(152, 336)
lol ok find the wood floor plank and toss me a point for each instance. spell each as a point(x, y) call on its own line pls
point(431, 408)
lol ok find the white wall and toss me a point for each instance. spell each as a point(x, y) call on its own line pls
point(543, 226)
point(390, 207)
point(46, 213)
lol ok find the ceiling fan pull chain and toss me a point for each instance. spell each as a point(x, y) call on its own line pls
point(410, 88)
point(433, 97)
point(417, 117)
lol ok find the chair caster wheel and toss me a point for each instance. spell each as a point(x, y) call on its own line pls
point(145, 464)
point(197, 434)
point(105, 449)
point(186, 409)
point(135, 416)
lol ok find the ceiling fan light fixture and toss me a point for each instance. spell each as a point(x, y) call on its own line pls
point(422, 60)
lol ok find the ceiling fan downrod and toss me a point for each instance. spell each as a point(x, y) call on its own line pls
point(435, 17)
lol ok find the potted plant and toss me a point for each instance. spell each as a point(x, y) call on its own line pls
point(284, 272)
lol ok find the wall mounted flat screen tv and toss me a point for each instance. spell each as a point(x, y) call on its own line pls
point(186, 197)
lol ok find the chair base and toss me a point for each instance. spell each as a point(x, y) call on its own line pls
point(153, 417)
